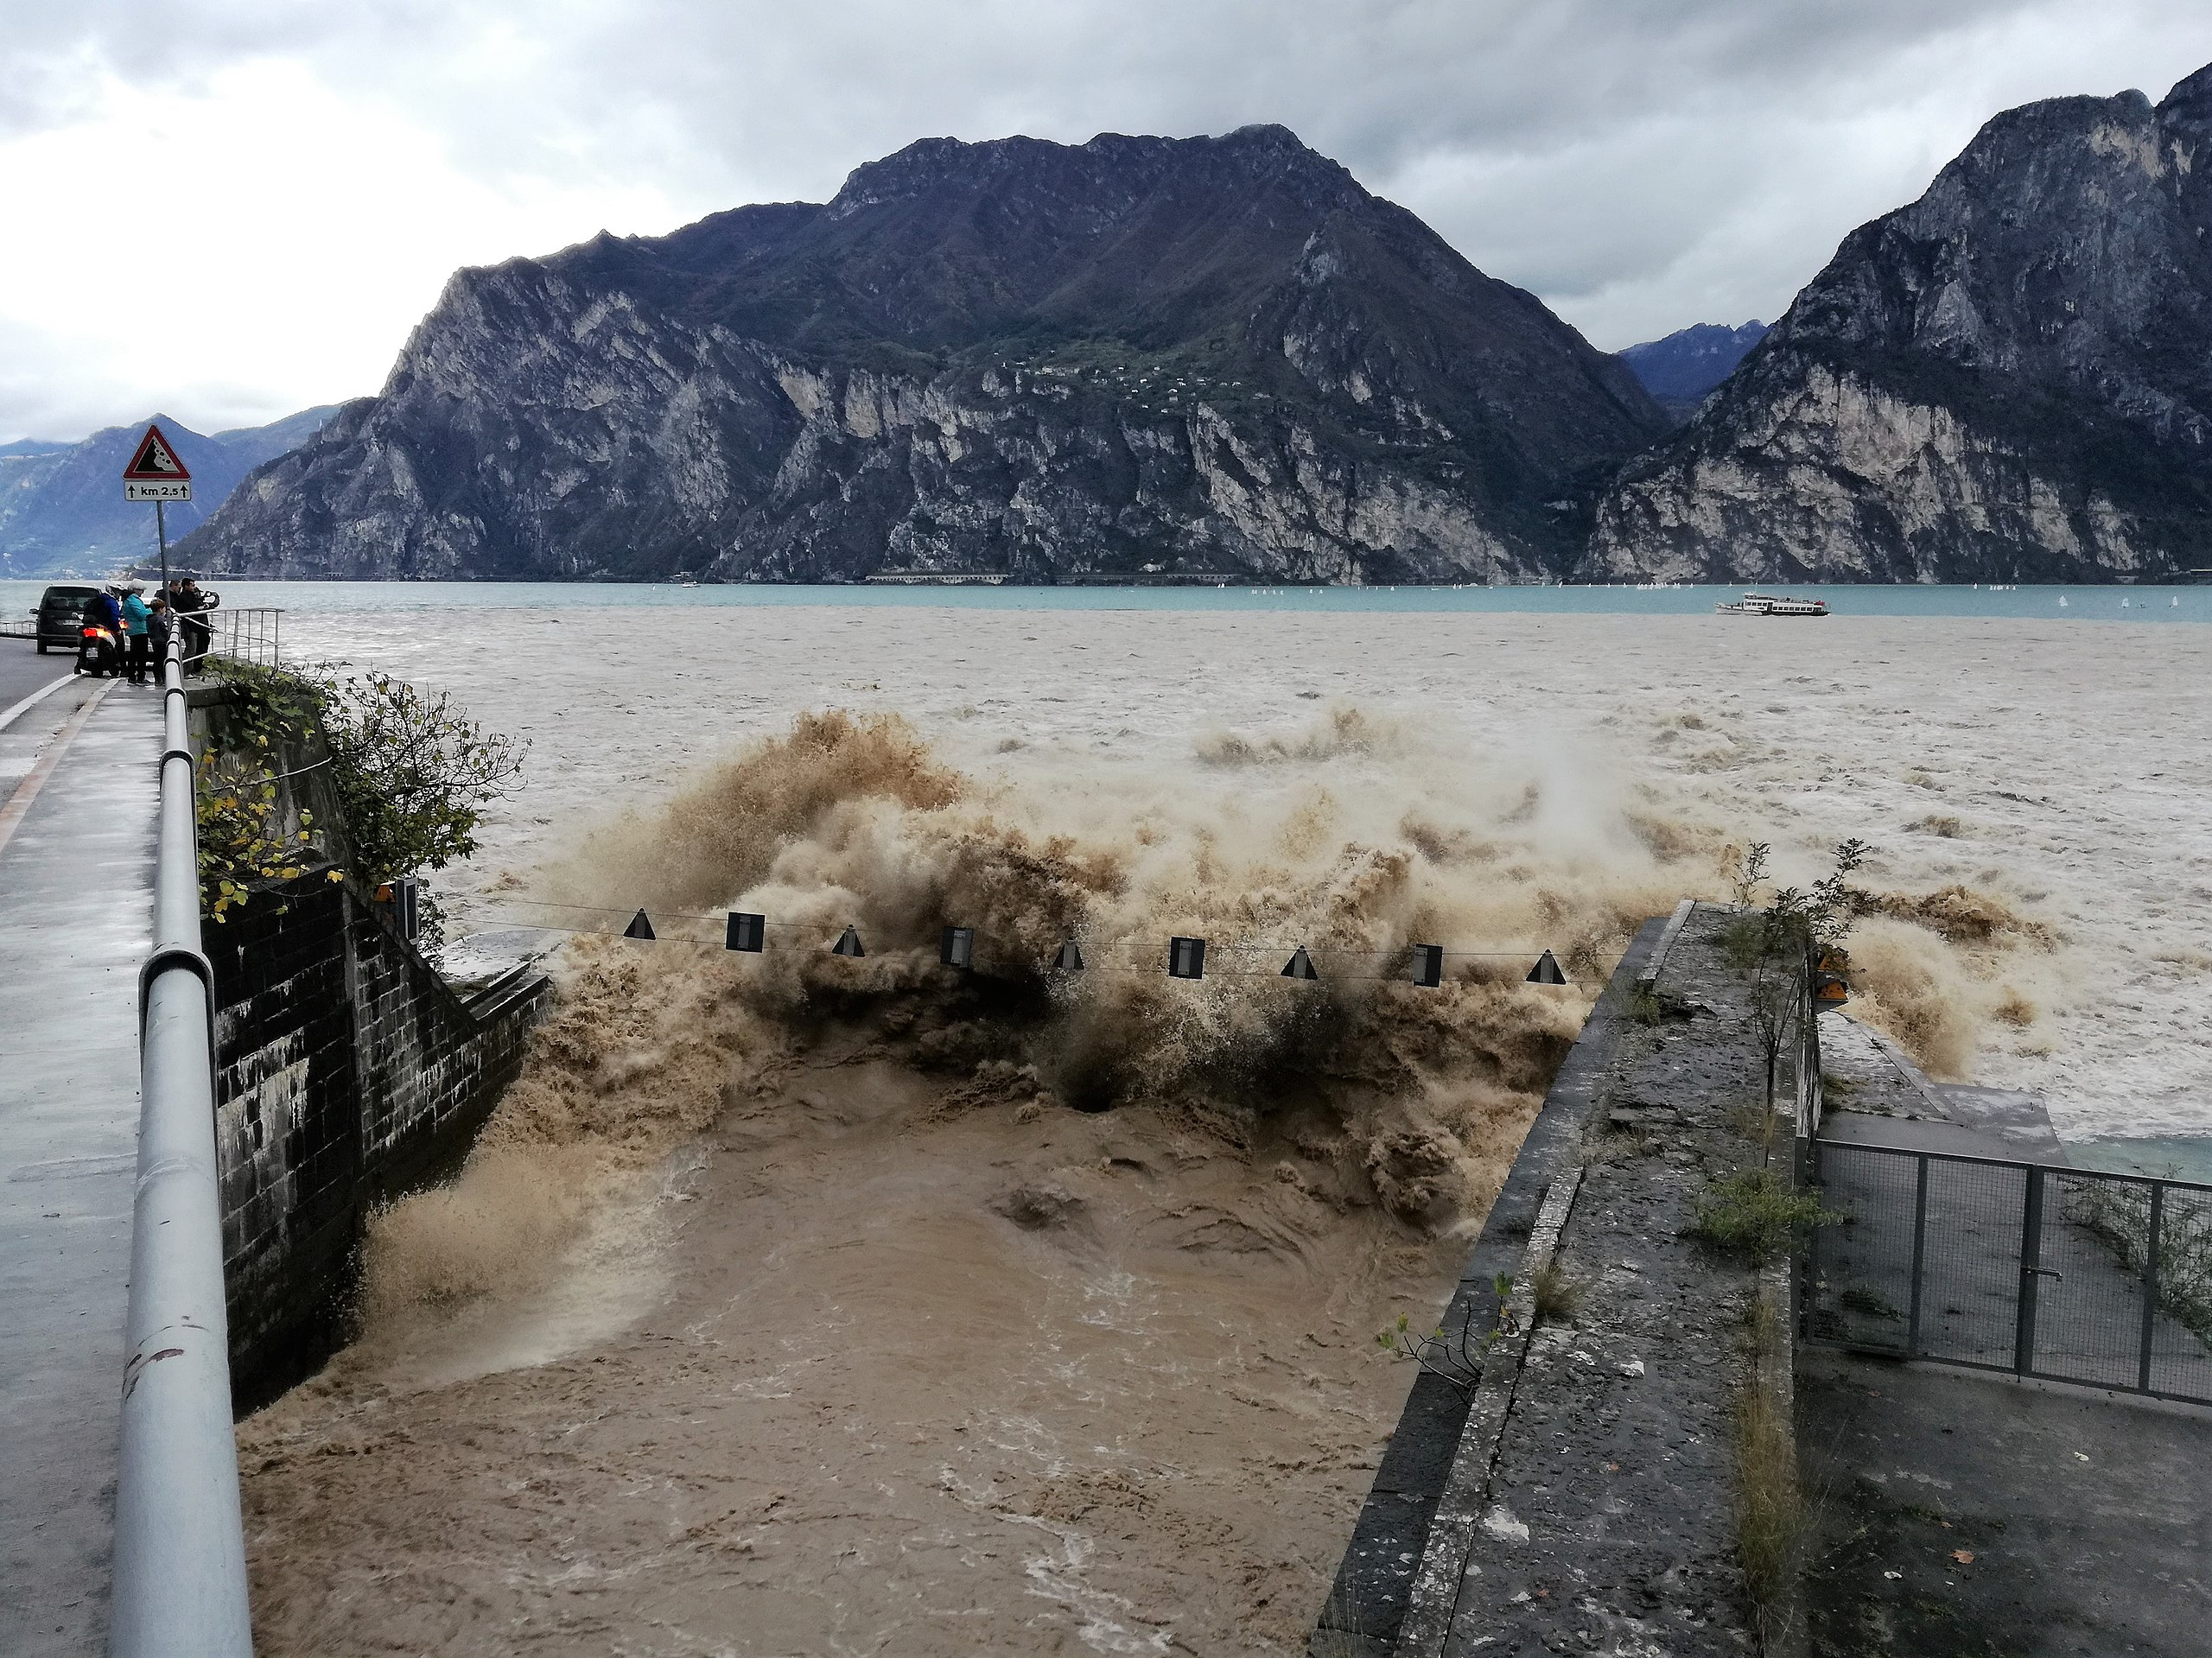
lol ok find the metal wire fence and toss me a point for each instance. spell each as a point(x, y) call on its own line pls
point(2067, 1275)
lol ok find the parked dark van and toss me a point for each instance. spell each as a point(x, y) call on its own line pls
point(61, 614)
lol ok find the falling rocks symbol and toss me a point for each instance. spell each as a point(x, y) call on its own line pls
point(1546, 971)
point(154, 460)
point(640, 926)
point(848, 943)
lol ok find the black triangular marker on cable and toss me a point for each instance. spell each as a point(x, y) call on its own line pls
point(1546, 971)
point(640, 926)
point(1428, 965)
point(745, 932)
point(1299, 966)
point(1070, 958)
point(956, 947)
point(848, 943)
point(1187, 957)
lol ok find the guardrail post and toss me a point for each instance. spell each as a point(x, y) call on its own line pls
point(179, 1581)
point(2151, 1281)
point(2024, 1340)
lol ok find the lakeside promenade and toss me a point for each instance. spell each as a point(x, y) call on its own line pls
point(78, 789)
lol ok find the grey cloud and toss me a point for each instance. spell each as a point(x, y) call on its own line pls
point(1642, 164)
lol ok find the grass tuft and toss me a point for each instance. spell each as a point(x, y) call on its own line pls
point(1558, 1292)
point(1755, 1214)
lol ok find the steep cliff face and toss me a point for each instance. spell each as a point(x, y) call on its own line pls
point(2010, 379)
point(1202, 355)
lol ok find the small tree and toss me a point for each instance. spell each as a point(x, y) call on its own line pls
point(1773, 948)
point(413, 772)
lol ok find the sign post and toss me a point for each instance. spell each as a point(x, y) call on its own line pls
point(156, 474)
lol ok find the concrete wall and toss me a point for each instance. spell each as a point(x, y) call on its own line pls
point(1374, 1581)
point(348, 1072)
point(1578, 1491)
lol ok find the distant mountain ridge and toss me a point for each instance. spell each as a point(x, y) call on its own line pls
point(62, 506)
point(2010, 379)
point(1681, 369)
point(1223, 357)
point(1206, 355)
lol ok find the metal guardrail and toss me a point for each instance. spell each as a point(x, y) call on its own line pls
point(180, 1584)
point(2063, 1274)
point(253, 634)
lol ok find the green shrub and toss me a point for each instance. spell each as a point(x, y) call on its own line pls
point(411, 774)
point(1754, 1214)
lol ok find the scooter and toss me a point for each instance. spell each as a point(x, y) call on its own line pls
point(98, 652)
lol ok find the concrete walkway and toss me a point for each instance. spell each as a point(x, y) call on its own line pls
point(76, 906)
point(1967, 1514)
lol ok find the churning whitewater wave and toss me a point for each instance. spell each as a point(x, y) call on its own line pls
point(828, 1283)
point(1352, 837)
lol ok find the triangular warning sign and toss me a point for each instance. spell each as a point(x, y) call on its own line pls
point(1545, 970)
point(155, 462)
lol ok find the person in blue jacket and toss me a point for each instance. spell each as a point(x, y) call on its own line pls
point(134, 630)
point(102, 610)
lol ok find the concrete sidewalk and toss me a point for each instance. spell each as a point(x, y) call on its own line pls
point(1969, 1514)
point(76, 907)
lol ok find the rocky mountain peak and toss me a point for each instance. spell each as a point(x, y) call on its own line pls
point(1116, 166)
point(1681, 369)
point(1213, 354)
point(2009, 379)
point(2187, 106)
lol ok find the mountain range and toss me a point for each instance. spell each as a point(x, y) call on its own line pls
point(1204, 356)
point(1682, 371)
point(62, 506)
point(1224, 358)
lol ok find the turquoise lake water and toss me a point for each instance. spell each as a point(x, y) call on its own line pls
point(2086, 604)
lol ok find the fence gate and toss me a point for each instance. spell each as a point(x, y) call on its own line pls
point(2068, 1274)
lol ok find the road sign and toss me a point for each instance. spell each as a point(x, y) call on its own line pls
point(154, 473)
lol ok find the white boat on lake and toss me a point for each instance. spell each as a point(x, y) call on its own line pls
point(1766, 604)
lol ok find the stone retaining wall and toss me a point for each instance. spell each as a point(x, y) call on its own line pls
point(348, 1072)
point(1582, 1495)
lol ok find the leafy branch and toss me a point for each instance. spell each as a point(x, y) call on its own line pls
point(410, 773)
point(1456, 1359)
point(242, 837)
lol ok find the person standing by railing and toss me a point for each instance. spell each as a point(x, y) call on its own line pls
point(134, 631)
point(192, 603)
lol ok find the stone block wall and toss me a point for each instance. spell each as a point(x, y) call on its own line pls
point(347, 1073)
point(286, 1102)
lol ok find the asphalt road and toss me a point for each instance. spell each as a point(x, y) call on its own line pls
point(23, 670)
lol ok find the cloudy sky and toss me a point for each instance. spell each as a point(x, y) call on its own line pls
point(231, 209)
